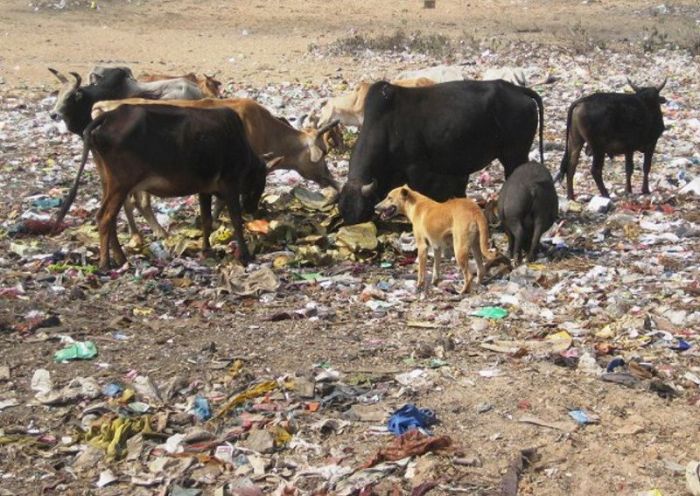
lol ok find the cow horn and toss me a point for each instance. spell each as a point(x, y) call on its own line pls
point(78, 80)
point(632, 85)
point(299, 122)
point(661, 86)
point(368, 189)
point(58, 75)
point(327, 127)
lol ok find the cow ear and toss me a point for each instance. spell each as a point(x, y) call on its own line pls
point(315, 153)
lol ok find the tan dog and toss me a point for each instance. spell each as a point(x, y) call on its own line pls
point(435, 223)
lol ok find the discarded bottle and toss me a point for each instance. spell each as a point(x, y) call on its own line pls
point(80, 350)
point(158, 251)
point(202, 410)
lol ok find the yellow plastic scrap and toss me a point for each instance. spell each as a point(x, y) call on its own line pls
point(128, 395)
point(221, 236)
point(239, 399)
point(536, 266)
point(280, 435)
point(142, 312)
point(111, 436)
point(560, 341)
point(235, 369)
point(17, 439)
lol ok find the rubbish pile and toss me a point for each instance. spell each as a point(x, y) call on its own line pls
point(319, 369)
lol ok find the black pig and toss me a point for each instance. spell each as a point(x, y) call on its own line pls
point(527, 206)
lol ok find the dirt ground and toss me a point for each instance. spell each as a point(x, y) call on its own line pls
point(185, 324)
point(268, 41)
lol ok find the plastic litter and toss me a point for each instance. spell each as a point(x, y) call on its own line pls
point(81, 350)
point(692, 477)
point(202, 410)
point(493, 313)
point(410, 417)
point(582, 418)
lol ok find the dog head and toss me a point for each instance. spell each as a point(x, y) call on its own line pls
point(394, 203)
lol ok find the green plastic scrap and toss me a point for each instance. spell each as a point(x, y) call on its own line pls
point(80, 350)
point(62, 267)
point(493, 313)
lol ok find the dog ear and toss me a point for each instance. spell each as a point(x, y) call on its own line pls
point(406, 194)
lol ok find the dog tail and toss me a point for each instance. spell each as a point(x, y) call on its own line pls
point(483, 226)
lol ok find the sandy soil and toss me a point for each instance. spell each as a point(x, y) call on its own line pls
point(267, 41)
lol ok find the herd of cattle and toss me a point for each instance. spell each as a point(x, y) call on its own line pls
point(175, 136)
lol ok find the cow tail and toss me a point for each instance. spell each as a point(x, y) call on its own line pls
point(540, 109)
point(70, 197)
point(565, 159)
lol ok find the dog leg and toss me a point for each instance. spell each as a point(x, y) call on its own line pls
point(476, 251)
point(437, 253)
point(462, 246)
point(422, 261)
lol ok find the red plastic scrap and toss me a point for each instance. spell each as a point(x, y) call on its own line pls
point(412, 443)
point(647, 205)
point(423, 488)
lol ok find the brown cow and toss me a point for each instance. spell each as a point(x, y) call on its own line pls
point(303, 151)
point(349, 108)
point(210, 87)
point(170, 151)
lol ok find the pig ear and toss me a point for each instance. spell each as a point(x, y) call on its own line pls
point(315, 153)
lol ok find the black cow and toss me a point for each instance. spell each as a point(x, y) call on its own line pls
point(433, 137)
point(170, 151)
point(613, 124)
point(74, 102)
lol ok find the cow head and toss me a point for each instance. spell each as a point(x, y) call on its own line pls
point(253, 184)
point(652, 99)
point(316, 142)
point(650, 94)
point(101, 72)
point(68, 96)
point(357, 200)
point(213, 86)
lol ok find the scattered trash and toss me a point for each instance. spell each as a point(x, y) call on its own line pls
point(411, 443)
point(81, 350)
point(599, 205)
point(215, 378)
point(560, 426)
point(692, 478)
point(410, 417)
point(202, 410)
point(582, 418)
point(493, 313)
point(511, 479)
